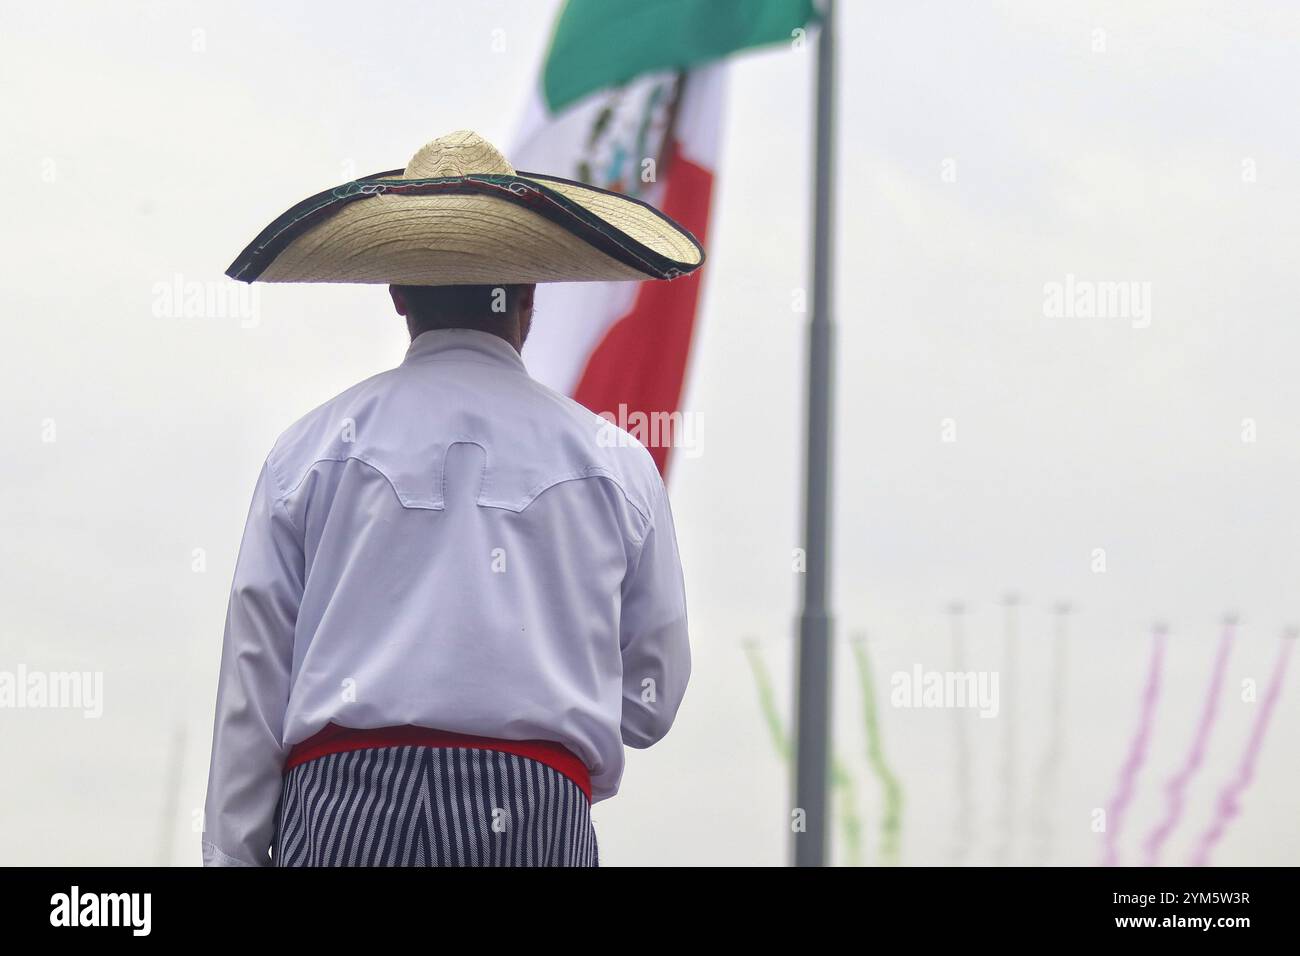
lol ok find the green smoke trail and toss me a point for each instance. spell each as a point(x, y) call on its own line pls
point(891, 824)
point(767, 700)
point(841, 782)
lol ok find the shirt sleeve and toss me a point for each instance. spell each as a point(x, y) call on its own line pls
point(653, 633)
point(248, 755)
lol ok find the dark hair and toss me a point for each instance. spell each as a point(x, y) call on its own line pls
point(459, 306)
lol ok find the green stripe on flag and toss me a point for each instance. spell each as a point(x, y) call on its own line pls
point(603, 43)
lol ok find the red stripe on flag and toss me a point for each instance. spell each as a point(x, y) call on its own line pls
point(640, 362)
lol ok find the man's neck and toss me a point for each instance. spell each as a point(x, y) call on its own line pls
point(508, 332)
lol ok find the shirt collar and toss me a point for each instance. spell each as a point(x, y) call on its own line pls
point(463, 345)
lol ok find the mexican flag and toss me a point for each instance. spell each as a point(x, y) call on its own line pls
point(631, 98)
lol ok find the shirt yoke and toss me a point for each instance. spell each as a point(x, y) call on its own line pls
point(403, 422)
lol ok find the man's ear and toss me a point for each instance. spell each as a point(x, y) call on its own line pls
point(525, 298)
point(399, 300)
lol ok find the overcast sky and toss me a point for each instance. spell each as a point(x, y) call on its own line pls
point(986, 152)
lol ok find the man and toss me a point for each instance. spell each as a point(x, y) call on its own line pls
point(458, 594)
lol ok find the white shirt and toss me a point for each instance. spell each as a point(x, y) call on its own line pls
point(453, 545)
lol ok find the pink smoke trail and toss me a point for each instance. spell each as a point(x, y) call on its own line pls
point(1228, 807)
point(1177, 786)
point(1137, 750)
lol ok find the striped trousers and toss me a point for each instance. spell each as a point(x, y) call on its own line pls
point(431, 806)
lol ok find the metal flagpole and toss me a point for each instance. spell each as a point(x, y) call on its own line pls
point(813, 704)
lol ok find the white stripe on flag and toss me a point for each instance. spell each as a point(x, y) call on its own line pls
point(573, 317)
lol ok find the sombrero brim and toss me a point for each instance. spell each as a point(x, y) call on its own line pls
point(468, 230)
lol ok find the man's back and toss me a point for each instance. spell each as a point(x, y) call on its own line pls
point(448, 545)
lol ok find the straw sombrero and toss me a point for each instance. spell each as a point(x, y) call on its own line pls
point(459, 214)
